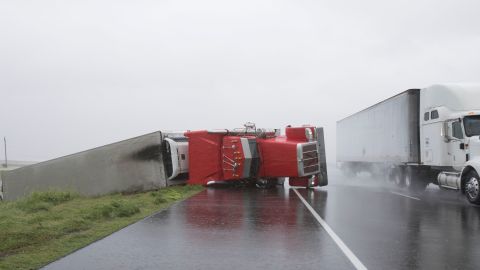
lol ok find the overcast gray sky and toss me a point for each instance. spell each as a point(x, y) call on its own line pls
point(79, 74)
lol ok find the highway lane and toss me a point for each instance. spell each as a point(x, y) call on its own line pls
point(218, 229)
point(382, 226)
point(439, 230)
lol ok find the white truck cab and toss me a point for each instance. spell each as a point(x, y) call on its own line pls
point(175, 155)
point(450, 130)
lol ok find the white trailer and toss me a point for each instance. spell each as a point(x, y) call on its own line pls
point(417, 137)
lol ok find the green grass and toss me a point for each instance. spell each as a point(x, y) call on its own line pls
point(48, 225)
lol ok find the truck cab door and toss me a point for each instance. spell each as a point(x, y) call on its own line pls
point(456, 143)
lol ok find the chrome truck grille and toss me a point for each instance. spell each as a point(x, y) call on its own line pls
point(308, 160)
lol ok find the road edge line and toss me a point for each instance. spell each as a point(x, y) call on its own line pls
point(348, 253)
point(406, 196)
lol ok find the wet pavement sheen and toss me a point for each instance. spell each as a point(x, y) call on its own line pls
point(272, 229)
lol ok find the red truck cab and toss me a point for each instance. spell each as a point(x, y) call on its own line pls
point(254, 155)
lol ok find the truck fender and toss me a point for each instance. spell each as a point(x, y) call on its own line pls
point(473, 164)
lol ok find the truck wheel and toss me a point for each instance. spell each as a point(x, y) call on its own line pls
point(408, 178)
point(265, 183)
point(397, 175)
point(472, 187)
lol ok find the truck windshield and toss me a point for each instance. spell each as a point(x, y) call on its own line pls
point(472, 125)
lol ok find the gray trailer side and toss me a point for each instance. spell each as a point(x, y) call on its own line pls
point(126, 166)
point(385, 133)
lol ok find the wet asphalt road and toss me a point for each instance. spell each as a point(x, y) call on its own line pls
point(273, 229)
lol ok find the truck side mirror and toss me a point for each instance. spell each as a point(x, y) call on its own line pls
point(462, 146)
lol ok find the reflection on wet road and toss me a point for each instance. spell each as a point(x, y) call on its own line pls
point(272, 229)
point(439, 231)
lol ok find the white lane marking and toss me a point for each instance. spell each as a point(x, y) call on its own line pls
point(353, 259)
point(400, 194)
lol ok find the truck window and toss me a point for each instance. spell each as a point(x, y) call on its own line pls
point(457, 130)
point(426, 116)
point(434, 114)
point(472, 125)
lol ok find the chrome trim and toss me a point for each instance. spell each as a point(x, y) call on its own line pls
point(473, 187)
point(233, 165)
point(311, 181)
point(247, 154)
point(244, 132)
point(301, 161)
point(229, 159)
point(309, 134)
point(218, 131)
point(310, 165)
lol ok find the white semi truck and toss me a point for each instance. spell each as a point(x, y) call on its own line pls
point(420, 136)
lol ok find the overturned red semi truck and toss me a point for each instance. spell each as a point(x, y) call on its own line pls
point(248, 155)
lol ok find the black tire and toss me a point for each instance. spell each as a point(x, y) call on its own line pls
point(472, 187)
point(265, 183)
point(397, 177)
point(413, 180)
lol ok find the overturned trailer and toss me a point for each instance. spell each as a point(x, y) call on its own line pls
point(161, 159)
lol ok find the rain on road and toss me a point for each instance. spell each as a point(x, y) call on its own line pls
point(273, 229)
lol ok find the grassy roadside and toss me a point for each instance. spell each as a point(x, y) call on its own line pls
point(48, 225)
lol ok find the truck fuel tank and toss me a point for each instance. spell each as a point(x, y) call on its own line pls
point(451, 180)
